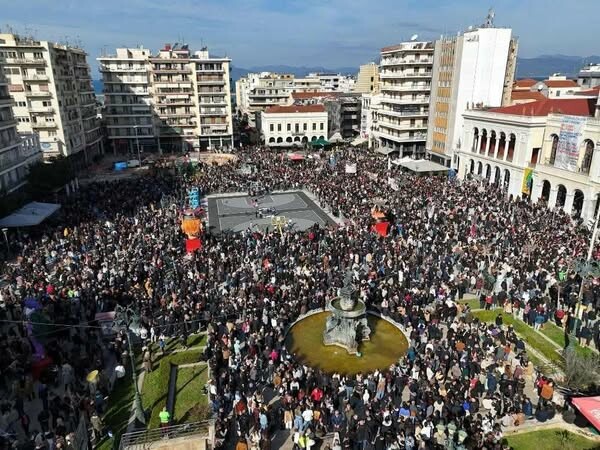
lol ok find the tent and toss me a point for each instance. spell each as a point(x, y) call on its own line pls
point(319, 143)
point(590, 408)
point(30, 215)
point(336, 138)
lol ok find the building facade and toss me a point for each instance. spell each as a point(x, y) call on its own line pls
point(474, 68)
point(344, 114)
point(367, 81)
point(589, 76)
point(285, 126)
point(405, 74)
point(334, 82)
point(175, 100)
point(556, 86)
point(257, 92)
point(51, 87)
point(17, 152)
point(517, 148)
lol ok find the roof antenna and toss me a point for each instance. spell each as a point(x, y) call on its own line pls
point(489, 20)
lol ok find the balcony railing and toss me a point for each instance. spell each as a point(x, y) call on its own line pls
point(43, 124)
point(25, 61)
point(8, 123)
point(41, 109)
point(399, 74)
point(401, 61)
point(35, 77)
point(38, 93)
point(6, 100)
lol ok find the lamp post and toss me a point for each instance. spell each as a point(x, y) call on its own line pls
point(137, 143)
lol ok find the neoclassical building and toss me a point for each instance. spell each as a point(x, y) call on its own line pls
point(516, 147)
point(285, 126)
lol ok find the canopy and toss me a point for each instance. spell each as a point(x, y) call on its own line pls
point(358, 141)
point(30, 215)
point(590, 408)
point(386, 150)
point(421, 165)
point(319, 143)
point(337, 137)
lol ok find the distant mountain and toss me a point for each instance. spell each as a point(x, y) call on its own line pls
point(238, 72)
point(545, 65)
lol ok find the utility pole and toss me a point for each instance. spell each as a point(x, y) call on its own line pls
point(137, 401)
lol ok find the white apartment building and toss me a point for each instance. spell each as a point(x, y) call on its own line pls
point(589, 76)
point(371, 104)
point(474, 68)
point(306, 85)
point(333, 82)
point(128, 110)
point(405, 85)
point(188, 94)
point(53, 96)
point(556, 86)
point(517, 149)
point(258, 91)
point(17, 152)
point(284, 126)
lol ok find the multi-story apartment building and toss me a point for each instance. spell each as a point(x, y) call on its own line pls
point(333, 82)
point(589, 76)
point(367, 81)
point(405, 84)
point(178, 100)
point(306, 85)
point(258, 91)
point(344, 114)
point(474, 68)
point(17, 152)
point(53, 96)
point(128, 113)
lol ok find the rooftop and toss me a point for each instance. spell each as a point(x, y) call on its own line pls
point(595, 92)
point(295, 109)
point(527, 95)
point(525, 83)
point(560, 83)
point(408, 46)
point(570, 106)
point(305, 95)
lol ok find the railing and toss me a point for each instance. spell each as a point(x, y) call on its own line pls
point(145, 437)
point(38, 93)
point(25, 60)
point(35, 77)
point(41, 109)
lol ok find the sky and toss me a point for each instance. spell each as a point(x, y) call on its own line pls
point(329, 33)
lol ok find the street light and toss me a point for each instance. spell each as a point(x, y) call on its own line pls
point(137, 143)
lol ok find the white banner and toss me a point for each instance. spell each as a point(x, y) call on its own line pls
point(393, 183)
point(350, 168)
point(569, 141)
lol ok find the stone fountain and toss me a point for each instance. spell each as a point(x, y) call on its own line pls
point(347, 324)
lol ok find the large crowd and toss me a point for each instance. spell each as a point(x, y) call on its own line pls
point(461, 383)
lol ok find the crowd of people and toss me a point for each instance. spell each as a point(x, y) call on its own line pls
point(461, 383)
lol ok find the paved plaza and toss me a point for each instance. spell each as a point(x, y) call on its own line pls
point(238, 212)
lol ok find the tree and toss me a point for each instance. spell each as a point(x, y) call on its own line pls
point(581, 369)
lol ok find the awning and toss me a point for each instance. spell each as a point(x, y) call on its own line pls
point(358, 141)
point(319, 143)
point(386, 151)
point(590, 408)
point(295, 157)
point(30, 215)
point(421, 165)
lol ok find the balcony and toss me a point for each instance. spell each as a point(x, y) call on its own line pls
point(405, 101)
point(405, 88)
point(171, 70)
point(389, 74)
point(38, 94)
point(26, 61)
point(41, 109)
point(405, 62)
point(216, 112)
point(176, 114)
point(6, 100)
point(171, 83)
point(109, 69)
point(35, 77)
point(82, 64)
point(43, 125)
point(392, 113)
point(205, 82)
point(417, 137)
point(402, 127)
point(7, 123)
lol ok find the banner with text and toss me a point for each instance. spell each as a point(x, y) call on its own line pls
point(569, 141)
point(350, 168)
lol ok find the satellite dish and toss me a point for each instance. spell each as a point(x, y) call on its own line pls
point(414, 37)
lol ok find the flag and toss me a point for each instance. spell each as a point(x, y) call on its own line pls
point(527, 181)
point(381, 228)
point(192, 244)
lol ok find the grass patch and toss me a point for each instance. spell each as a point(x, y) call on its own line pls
point(472, 302)
point(119, 411)
point(190, 392)
point(552, 439)
point(156, 383)
point(529, 335)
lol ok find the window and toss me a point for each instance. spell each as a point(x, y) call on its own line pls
point(289, 127)
point(297, 128)
point(322, 126)
point(38, 55)
point(278, 127)
point(314, 127)
point(271, 128)
point(304, 126)
point(21, 104)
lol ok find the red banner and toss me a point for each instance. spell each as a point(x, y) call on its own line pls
point(381, 228)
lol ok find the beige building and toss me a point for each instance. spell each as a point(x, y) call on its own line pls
point(176, 100)
point(51, 86)
point(473, 68)
point(405, 74)
point(306, 85)
point(367, 81)
point(285, 126)
point(556, 86)
point(258, 91)
point(17, 152)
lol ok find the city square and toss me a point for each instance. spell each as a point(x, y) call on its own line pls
point(401, 254)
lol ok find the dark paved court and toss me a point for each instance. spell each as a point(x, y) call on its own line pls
point(238, 213)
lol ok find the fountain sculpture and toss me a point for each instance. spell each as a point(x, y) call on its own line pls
point(347, 324)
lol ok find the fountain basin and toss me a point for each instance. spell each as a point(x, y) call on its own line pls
point(387, 344)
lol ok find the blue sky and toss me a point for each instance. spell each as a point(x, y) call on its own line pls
point(331, 33)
